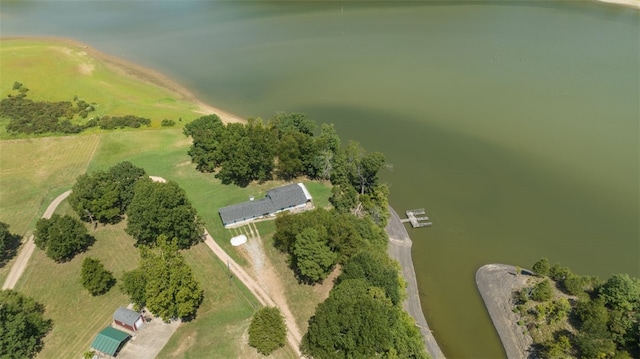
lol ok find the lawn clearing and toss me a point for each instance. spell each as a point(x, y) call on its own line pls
point(77, 316)
point(72, 69)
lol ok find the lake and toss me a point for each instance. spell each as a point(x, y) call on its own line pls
point(515, 124)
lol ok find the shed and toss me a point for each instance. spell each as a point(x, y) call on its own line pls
point(109, 341)
point(128, 319)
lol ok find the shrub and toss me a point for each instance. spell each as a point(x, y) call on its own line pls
point(267, 331)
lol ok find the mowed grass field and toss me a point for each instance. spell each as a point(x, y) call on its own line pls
point(61, 70)
point(33, 171)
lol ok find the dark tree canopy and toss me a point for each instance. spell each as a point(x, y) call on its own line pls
point(170, 289)
point(162, 209)
point(62, 237)
point(133, 284)
point(378, 270)
point(359, 321)
point(95, 278)
point(312, 256)
point(22, 325)
point(267, 331)
point(9, 243)
point(103, 196)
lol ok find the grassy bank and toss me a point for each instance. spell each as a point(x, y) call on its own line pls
point(61, 70)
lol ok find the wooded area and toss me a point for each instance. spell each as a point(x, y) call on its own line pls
point(574, 316)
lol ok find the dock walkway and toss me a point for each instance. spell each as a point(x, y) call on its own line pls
point(416, 222)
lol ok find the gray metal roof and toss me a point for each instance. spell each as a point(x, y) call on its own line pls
point(276, 199)
point(126, 316)
point(287, 196)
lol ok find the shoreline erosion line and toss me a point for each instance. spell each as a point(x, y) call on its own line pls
point(141, 73)
point(496, 283)
point(399, 249)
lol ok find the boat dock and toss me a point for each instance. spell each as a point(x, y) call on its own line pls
point(417, 218)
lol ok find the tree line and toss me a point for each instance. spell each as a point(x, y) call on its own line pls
point(285, 147)
point(594, 318)
point(37, 117)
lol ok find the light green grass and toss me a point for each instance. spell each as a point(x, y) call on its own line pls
point(34, 171)
point(77, 316)
point(60, 70)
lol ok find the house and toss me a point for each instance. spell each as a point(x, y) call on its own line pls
point(285, 198)
point(109, 341)
point(128, 319)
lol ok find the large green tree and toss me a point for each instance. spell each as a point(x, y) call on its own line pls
point(267, 331)
point(207, 133)
point(134, 284)
point(62, 237)
point(95, 278)
point(103, 196)
point(359, 321)
point(22, 325)
point(162, 209)
point(378, 270)
point(312, 257)
point(9, 242)
point(170, 289)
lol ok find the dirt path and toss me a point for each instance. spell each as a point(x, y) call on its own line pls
point(23, 257)
point(293, 333)
point(495, 283)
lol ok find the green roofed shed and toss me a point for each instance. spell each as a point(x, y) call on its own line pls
point(109, 340)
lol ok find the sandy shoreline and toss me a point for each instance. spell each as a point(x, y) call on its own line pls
point(141, 73)
point(627, 3)
point(496, 283)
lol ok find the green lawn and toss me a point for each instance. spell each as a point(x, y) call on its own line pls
point(72, 69)
point(33, 171)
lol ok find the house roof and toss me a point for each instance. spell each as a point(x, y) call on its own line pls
point(276, 199)
point(109, 340)
point(126, 316)
point(287, 196)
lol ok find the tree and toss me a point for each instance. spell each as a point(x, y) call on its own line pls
point(134, 284)
point(162, 209)
point(171, 291)
point(542, 291)
point(312, 257)
point(207, 133)
point(9, 242)
point(358, 321)
point(22, 325)
point(267, 331)
point(541, 267)
point(621, 292)
point(95, 278)
point(62, 237)
point(378, 270)
point(103, 196)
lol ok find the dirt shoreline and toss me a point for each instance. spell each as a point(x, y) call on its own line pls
point(140, 73)
point(496, 283)
point(626, 3)
point(399, 249)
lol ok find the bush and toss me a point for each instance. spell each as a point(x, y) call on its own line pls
point(267, 331)
point(95, 278)
point(167, 123)
point(542, 291)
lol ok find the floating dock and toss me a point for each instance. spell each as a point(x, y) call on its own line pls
point(417, 218)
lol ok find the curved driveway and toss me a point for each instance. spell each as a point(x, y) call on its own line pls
point(20, 264)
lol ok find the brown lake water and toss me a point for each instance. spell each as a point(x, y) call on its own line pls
point(515, 124)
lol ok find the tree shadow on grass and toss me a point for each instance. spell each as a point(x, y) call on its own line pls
point(11, 244)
